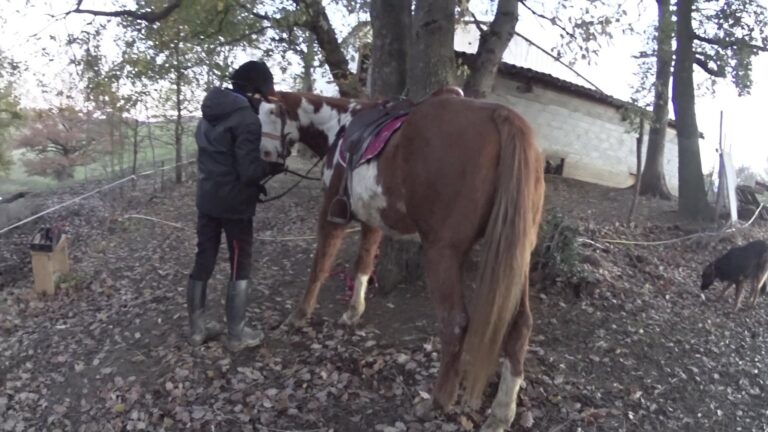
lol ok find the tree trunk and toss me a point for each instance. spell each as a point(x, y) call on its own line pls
point(111, 144)
point(178, 129)
point(309, 63)
point(400, 261)
point(432, 61)
point(639, 157)
point(121, 145)
point(135, 145)
point(388, 70)
point(493, 43)
point(692, 203)
point(151, 143)
point(317, 22)
point(653, 181)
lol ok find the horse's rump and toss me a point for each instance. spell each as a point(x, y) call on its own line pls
point(471, 168)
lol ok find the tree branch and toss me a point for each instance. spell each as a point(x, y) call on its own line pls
point(552, 20)
point(318, 23)
point(245, 36)
point(704, 65)
point(148, 17)
point(253, 13)
point(725, 44)
point(480, 25)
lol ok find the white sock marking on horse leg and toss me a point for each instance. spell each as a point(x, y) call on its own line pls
point(505, 404)
point(357, 305)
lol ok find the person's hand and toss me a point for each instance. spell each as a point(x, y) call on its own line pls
point(275, 168)
point(261, 191)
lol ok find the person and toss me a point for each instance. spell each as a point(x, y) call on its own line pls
point(230, 171)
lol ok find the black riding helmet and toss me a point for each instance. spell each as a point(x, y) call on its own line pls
point(253, 77)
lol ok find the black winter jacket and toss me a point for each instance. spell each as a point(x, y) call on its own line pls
point(229, 160)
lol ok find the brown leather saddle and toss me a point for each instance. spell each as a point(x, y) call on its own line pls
point(354, 138)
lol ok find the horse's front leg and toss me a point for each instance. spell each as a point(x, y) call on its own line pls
point(369, 244)
point(330, 236)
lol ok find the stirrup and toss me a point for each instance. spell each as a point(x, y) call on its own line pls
point(347, 211)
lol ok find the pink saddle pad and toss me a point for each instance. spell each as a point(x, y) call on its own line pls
point(375, 145)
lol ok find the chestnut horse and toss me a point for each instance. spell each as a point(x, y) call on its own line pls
point(458, 170)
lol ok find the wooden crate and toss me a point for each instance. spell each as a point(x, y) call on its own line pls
point(48, 266)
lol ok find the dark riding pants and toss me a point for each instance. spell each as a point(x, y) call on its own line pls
point(239, 234)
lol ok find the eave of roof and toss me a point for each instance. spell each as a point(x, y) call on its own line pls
point(555, 83)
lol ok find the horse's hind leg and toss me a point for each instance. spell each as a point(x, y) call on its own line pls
point(443, 267)
point(369, 244)
point(515, 346)
point(329, 239)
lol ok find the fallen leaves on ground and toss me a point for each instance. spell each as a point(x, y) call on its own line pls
point(641, 349)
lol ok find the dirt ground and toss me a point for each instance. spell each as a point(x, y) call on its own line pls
point(639, 349)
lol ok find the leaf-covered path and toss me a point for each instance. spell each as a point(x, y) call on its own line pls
point(639, 349)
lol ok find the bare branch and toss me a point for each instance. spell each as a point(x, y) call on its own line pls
point(725, 44)
point(148, 17)
point(480, 25)
point(552, 20)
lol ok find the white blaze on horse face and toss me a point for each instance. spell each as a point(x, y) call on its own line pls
point(505, 404)
point(357, 305)
point(270, 132)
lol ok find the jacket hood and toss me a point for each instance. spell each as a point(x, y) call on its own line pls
point(219, 103)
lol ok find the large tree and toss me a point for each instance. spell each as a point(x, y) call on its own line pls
point(727, 36)
point(432, 61)
point(10, 113)
point(653, 181)
point(56, 142)
point(493, 42)
point(388, 70)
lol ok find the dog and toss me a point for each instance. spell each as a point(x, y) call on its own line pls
point(745, 264)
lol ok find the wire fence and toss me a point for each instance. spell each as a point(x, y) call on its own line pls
point(155, 177)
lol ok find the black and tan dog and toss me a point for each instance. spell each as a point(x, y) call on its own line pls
point(745, 264)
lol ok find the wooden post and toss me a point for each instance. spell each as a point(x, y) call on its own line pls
point(48, 266)
point(639, 168)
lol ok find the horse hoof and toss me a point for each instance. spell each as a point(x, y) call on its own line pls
point(492, 426)
point(294, 321)
point(494, 423)
point(349, 318)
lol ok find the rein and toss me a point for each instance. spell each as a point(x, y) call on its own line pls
point(292, 187)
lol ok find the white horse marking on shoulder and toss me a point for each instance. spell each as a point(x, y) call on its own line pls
point(367, 196)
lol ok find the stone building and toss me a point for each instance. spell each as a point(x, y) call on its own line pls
point(584, 133)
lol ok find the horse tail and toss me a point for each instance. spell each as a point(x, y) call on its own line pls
point(509, 238)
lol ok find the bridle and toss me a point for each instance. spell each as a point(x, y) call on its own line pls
point(282, 137)
point(285, 151)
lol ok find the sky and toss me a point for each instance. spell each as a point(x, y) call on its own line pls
point(29, 29)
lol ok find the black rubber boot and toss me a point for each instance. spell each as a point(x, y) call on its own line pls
point(239, 336)
point(200, 328)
